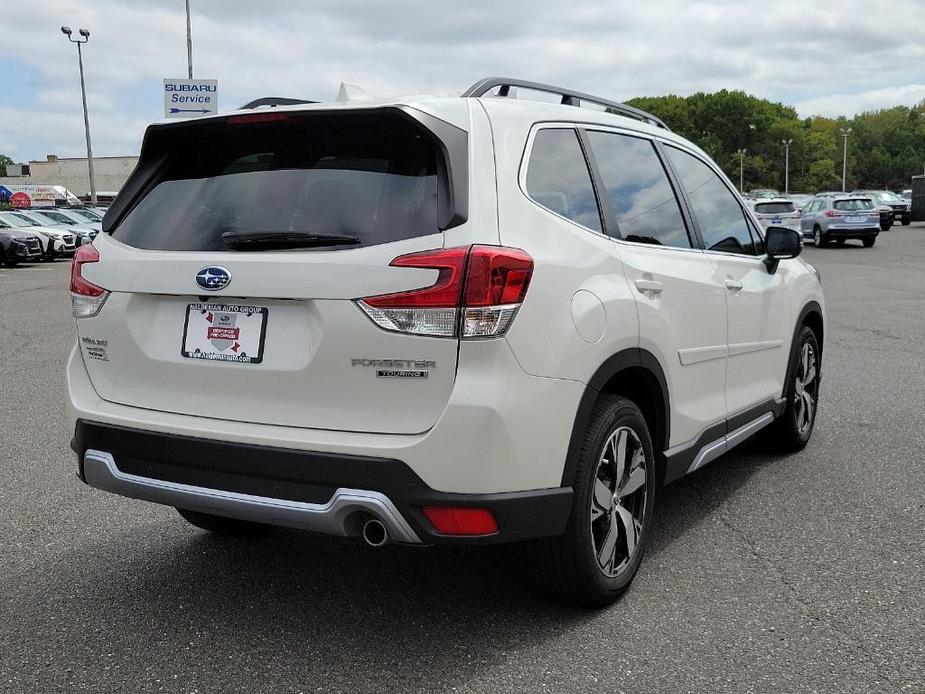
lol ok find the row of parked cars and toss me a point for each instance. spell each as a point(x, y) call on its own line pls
point(44, 234)
point(833, 216)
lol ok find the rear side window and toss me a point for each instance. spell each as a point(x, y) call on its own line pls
point(852, 205)
point(558, 177)
point(719, 215)
point(373, 178)
point(638, 190)
point(774, 207)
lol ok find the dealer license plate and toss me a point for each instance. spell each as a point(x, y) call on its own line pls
point(224, 332)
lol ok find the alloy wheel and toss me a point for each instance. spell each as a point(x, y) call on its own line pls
point(618, 501)
point(806, 389)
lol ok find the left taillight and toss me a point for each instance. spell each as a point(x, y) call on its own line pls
point(86, 298)
point(476, 295)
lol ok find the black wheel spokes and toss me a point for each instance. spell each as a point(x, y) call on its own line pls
point(805, 388)
point(618, 501)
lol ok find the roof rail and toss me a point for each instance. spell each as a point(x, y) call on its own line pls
point(272, 101)
point(568, 97)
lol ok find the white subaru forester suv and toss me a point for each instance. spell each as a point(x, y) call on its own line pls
point(456, 320)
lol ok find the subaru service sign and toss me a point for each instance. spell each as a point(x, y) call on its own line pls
point(190, 98)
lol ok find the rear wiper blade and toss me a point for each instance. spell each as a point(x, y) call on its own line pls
point(268, 240)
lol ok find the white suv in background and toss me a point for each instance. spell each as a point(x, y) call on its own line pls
point(440, 320)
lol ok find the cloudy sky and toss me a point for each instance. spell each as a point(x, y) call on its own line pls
point(822, 56)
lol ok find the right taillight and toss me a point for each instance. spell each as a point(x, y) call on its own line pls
point(477, 293)
point(86, 298)
point(829, 213)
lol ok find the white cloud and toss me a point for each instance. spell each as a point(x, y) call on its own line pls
point(871, 100)
point(791, 51)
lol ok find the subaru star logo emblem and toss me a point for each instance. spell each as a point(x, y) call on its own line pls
point(213, 278)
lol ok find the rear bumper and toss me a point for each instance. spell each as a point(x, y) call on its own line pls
point(323, 492)
point(852, 232)
point(502, 430)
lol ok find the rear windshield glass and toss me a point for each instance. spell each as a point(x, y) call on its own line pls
point(774, 207)
point(853, 205)
point(369, 177)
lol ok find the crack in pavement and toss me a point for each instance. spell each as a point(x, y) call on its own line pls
point(719, 513)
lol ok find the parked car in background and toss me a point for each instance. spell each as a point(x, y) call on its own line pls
point(18, 246)
point(777, 212)
point(907, 195)
point(63, 215)
point(885, 211)
point(86, 213)
point(799, 200)
point(839, 219)
point(56, 241)
point(901, 209)
point(84, 233)
point(763, 194)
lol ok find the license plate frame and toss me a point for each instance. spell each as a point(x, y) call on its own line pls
point(229, 341)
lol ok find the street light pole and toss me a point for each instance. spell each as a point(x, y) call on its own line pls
point(83, 93)
point(844, 164)
point(786, 144)
point(189, 41)
point(741, 153)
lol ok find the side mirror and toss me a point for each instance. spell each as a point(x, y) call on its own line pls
point(782, 244)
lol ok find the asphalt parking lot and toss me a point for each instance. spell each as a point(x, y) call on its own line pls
point(766, 573)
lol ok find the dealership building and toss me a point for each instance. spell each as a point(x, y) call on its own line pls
point(72, 173)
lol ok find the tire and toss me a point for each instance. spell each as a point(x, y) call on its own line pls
point(885, 227)
point(220, 525)
point(820, 240)
point(10, 260)
point(869, 243)
point(907, 221)
point(568, 566)
point(792, 430)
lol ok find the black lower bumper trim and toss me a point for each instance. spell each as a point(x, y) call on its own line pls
point(313, 477)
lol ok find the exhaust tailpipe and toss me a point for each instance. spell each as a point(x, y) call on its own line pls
point(375, 533)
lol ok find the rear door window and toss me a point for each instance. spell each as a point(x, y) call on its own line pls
point(558, 177)
point(373, 178)
point(638, 191)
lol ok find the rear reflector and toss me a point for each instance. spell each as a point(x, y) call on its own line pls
point(480, 288)
point(451, 520)
point(86, 298)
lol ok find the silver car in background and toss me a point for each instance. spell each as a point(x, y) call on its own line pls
point(799, 200)
point(67, 216)
point(55, 241)
point(839, 219)
point(777, 212)
point(84, 232)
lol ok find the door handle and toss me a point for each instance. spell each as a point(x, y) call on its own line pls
point(733, 285)
point(653, 286)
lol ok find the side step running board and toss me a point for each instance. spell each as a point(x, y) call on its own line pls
point(714, 450)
